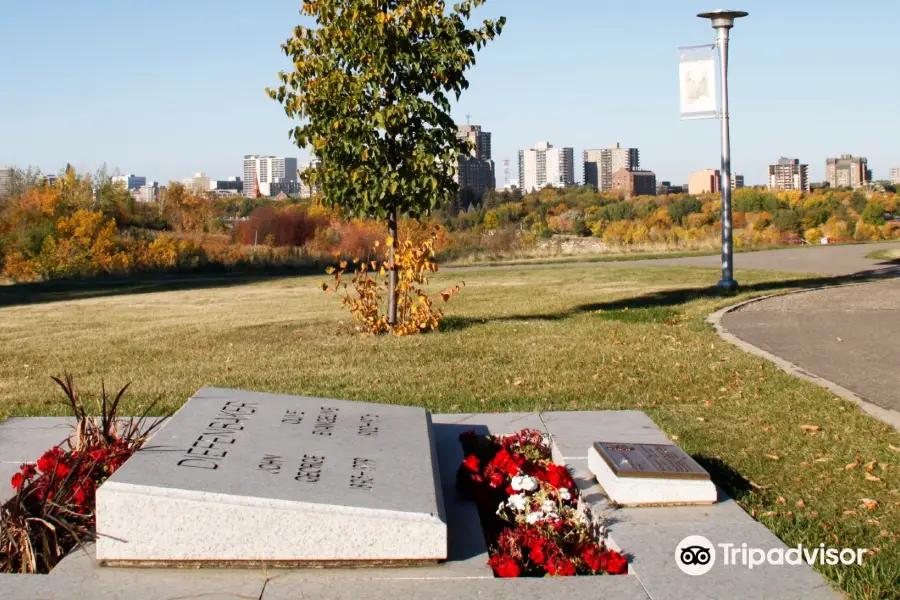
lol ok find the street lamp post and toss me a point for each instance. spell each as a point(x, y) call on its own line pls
point(722, 22)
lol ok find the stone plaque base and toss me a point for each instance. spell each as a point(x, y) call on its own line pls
point(268, 564)
point(645, 490)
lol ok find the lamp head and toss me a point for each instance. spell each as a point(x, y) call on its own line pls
point(723, 18)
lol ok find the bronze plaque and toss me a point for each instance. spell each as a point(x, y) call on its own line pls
point(657, 461)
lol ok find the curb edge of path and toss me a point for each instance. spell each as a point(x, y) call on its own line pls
point(885, 415)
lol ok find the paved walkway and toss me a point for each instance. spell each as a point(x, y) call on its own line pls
point(848, 335)
point(828, 260)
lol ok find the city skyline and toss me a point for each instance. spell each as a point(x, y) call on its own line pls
point(185, 116)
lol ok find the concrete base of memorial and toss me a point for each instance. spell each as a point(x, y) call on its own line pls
point(648, 536)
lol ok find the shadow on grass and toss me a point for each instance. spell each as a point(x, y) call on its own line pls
point(721, 473)
point(657, 306)
point(60, 291)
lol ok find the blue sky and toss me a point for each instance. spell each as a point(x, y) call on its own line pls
point(172, 87)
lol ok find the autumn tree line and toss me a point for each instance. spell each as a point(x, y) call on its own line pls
point(84, 225)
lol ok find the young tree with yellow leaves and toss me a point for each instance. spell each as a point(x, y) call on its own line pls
point(370, 86)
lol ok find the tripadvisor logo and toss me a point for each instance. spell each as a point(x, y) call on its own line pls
point(696, 555)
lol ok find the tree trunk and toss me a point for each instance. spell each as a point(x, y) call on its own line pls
point(392, 275)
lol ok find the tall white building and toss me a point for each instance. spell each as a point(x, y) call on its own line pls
point(545, 165)
point(894, 175)
point(132, 182)
point(306, 190)
point(599, 165)
point(147, 193)
point(266, 170)
point(199, 183)
point(5, 180)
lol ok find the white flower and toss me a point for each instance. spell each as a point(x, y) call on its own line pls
point(533, 517)
point(564, 494)
point(517, 502)
point(549, 506)
point(524, 483)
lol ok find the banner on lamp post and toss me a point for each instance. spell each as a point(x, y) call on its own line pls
point(697, 82)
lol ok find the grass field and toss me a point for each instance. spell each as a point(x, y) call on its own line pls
point(889, 254)
point(615, 337)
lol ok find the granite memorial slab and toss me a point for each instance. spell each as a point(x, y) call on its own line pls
point(240, 478)
point(650, 474)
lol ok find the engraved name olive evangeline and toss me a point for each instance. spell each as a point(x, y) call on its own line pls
point(663, 461)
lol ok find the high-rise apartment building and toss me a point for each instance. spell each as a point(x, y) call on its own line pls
point(479, 141)
point(6, 174)
point(894, 175)
point(475, 172)
point(635, 182)
point(263, 171)
point(847, 171)
point(599, 165)
point(789, 174)
point(545, 165)
point(132, 182)
point(737, 181)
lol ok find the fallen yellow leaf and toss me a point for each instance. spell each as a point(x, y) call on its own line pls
point(780, 500)
point(871, 466)
point(869, 503)
point(801, 504)
point(870, 477)
point(810, 428)
point(852, 465)
point(773, 457)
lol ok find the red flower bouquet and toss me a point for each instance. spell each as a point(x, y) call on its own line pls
point(530, 509)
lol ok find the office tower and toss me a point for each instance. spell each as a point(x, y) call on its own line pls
point(260, 172)
point(789, 174)
point(131, 182)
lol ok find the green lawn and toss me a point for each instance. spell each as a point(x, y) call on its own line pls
point(615, 337)
point(888, 254)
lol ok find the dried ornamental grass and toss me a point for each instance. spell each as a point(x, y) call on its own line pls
point(53, 510)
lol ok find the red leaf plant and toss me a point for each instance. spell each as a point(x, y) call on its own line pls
point(53, 509)
point(530, 509)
